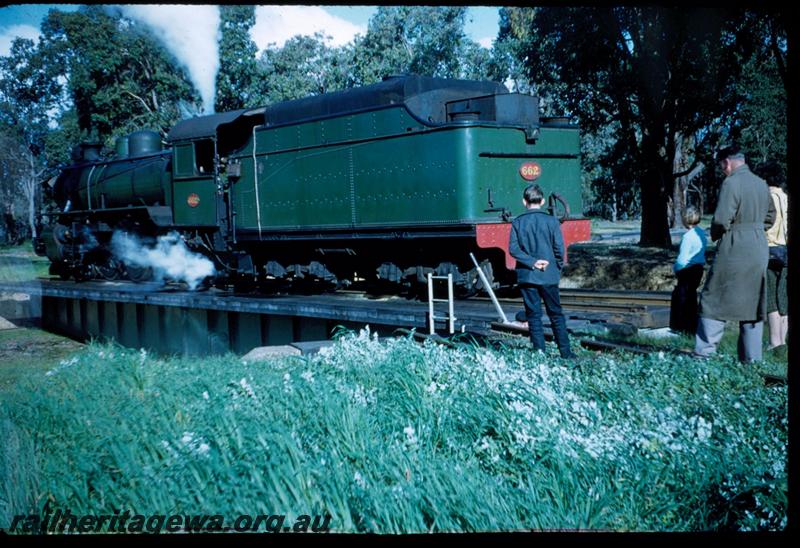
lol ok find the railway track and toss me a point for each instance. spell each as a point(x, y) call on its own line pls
point(603, 299)
point(639, 309)
point(635, 309)
point(218, 321)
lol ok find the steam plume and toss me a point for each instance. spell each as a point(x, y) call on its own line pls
point(169, 258)
point(191, 33)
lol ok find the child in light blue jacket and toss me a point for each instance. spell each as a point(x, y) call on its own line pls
point(689, 270)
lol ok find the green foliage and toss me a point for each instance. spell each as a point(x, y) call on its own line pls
point(762, 122)
point(652, 72)
point(60, 140)
point(392, 436)
point(426, 40)
point(303, 67)
point(29, 92)
point(29, 89)
point(400, 39)
point(238, 77)
point(642, 80)
point(120, 79)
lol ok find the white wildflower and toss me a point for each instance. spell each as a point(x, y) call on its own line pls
point(361, 396)
point(411, 435)
point(193, 443)
point(359, 479)
point(166, 445)
point(247, 388)
point(308, 376)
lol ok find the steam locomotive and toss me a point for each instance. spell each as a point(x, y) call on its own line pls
point(385, 182)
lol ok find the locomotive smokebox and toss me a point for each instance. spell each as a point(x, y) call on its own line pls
point(86, 152)
point(142, 143)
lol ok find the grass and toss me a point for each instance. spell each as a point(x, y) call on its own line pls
point(394, 436)
point(20, 263)
point(26, 354)
point(604, 226)
point(774, 362)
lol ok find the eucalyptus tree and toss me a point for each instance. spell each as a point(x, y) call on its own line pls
point(426, 40)
point(119, 76)
point(238, 82)
point(304, 66)
point(29, 97)
point(657, 75)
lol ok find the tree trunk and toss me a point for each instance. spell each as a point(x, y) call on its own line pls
point(678, 183)
point(655, 185)
point(32, 213)
point(655, 226)
point(29, 189)
point(614, 208)
point(654, 193)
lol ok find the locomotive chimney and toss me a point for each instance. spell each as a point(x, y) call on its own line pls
point(90, 152)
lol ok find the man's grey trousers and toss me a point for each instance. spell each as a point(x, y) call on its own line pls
point(709, 333)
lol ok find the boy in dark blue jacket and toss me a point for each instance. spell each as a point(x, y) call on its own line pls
point(537, 245)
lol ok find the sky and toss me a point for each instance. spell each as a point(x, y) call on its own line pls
point(194, 42)
point(341, 22)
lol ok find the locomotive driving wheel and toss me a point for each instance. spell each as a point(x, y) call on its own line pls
point(109, 270)
point(138, 273)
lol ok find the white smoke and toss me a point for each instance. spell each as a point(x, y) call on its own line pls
point(191, 33)
point(276, 24)
point(169, 258)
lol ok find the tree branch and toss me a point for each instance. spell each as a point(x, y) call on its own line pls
point(144, 103)
point(776, 50)
point(696, 168)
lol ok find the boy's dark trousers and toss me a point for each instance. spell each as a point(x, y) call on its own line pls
point(683, 308)
point(532, 296)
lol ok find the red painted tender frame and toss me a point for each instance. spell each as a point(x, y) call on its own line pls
point(496, 235)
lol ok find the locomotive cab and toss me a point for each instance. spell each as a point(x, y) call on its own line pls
point(200, 176)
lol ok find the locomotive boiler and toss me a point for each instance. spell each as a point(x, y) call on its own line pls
point(381, 183)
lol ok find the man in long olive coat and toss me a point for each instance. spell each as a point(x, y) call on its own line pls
point(736, 285)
